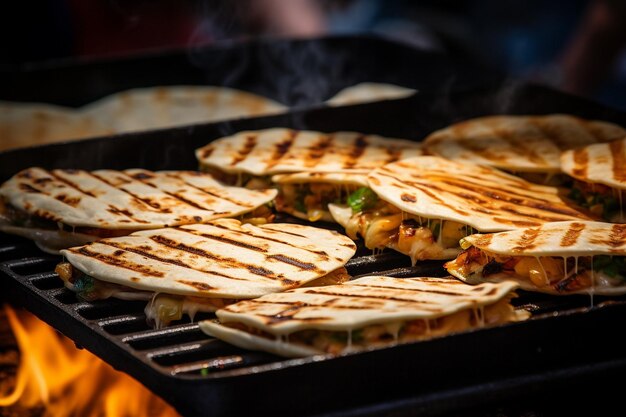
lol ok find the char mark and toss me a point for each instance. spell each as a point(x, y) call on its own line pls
point(121, 263)
point(306, 266)
point(200, 286)
point(357, 150)
point(572, 234)
point(243, 153)
point(619, 160)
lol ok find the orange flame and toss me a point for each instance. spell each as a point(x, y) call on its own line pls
point(71, 382)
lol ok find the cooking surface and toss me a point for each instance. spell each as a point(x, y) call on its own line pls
point(563, 345)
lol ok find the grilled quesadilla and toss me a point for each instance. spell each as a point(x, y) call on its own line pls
point(555, 258)
point(600, 174)
point(368, 92)
point(306, 195)
point(423, 206)
point(23, 124)
point(203, 267)
point(62, 208)
point(247, 158)
point(366, 313)
point(526, 145)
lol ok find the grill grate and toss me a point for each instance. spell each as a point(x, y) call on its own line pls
point(564, 344)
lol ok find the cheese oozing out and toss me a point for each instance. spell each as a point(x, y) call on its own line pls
point(310, 200)
point(558, 275)
point(386, 226)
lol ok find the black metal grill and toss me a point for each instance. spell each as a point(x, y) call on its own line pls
point(563, 345)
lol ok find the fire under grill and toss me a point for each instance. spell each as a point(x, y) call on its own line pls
point(568, 347)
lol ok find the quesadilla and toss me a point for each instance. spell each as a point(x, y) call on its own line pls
point(369, 312)
point(525, 145)
point(23, 124)
point(306, 195)
point(555, 258)
point(248, 158)
point(203, 267)
point(368, 92)
point(423, 206)
point(62, 207)
point(600, 178)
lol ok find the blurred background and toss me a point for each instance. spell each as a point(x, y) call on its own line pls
point(574, 45)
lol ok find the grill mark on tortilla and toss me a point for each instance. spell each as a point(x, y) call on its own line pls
point(581, 162)
point(326, 303)
point(527, 240)
point(228, 241)
point(71, 183)
point(243, 153)
point(550, 132)
point(573, 233)
point(419, 291)
point(231, 262)
point(143, 269)
point(394, 154)
point(357, 150)
point(216, 195)
point(30, 189)
point(518, 143)
point(379, 297)
point(70, 201)
point(318, 150)
point(619, 160)
point(617, 237)
point(200, 286)
point(317, 252)
point(409, 198)
point(207, 152)
point(307, 266)
point(281, 149)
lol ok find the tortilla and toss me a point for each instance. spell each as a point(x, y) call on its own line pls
point(222, 260)
point(25, 124)
point(365, 313)
point(423, 206)
point(106, 203)
point(522, 144)
point(280, 150)
point(369, 92)
point(556, 258)
point(306, 195)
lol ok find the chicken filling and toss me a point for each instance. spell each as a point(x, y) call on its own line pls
point(310, 200)
point(561, 275)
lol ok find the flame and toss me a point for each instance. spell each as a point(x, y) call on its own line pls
point(71, 382)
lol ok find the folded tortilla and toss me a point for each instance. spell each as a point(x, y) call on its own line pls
point(61, 208)
point(600, 174)
point(365, 313)
point(519, 144)
point(25, 124)
point(555, 258)
point(210, 264)
point(424, 205)
point(278, 151)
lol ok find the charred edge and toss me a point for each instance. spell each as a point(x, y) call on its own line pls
point(140, 176)
point(317, 252)
point(581, 162)
point(409, 198)
point(572, 234)
point(243, 153)
point(318, 150)
point(619, 160)
point(70, 183)
point(617, 237)
point(206, 152)
point(527, 240)
point(306, 266)
point(356, 152)
point(201, 286)
point(119, 262)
